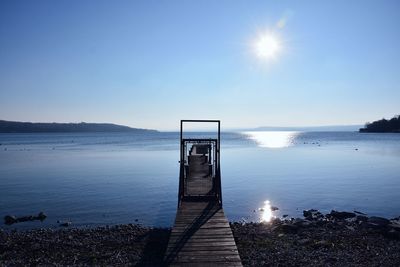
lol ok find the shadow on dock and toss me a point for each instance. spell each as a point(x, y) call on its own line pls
point(192, 227)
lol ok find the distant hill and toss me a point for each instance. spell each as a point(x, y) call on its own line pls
point(30, 127)
point(383, 126)
point(332, 128)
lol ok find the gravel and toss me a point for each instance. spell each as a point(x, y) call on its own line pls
point(335, 239)
point(118, 245)
point(323, 241)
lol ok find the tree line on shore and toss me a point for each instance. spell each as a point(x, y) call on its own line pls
point(383, 126)
point(29, 127)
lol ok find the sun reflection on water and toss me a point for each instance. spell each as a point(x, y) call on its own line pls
point(273, 139)
point(266, 212)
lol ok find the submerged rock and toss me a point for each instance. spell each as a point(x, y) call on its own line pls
point(65, 224)
point(42, 216)
point(10, 219)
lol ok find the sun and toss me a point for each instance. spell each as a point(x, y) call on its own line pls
point(267, 46)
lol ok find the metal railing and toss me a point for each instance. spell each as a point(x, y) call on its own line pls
point(213, 154)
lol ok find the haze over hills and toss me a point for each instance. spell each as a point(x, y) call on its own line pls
point(330, 128)
point(30, 127)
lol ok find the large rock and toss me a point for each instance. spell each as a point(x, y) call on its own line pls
point(340, 215)
point(378, 221)
point(10, 219)
point(42, 216)
point(394, 226)
point(361, 218)
point(312, 214)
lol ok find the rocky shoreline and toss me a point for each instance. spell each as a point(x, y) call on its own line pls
point(334, 239)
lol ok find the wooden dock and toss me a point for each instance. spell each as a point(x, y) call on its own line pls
point(201, 235)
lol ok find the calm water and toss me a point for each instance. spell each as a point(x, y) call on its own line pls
point(97, 178)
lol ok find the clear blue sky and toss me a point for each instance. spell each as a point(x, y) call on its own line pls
point(152, 63)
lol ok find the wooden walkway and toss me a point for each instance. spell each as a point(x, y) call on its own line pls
point(201, 235)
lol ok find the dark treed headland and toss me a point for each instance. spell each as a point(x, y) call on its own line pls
point(30, 127)
point(383, 126)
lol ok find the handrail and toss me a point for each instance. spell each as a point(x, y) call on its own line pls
point(216, 158)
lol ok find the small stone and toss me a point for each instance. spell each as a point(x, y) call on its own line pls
point(303, 241)
point(65, 224)
point(273, 208)
point(322, 243)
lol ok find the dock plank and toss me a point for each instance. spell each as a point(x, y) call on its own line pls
point(201, 235)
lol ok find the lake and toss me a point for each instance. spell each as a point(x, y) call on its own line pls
point(96, 179)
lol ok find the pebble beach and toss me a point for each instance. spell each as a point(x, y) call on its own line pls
point(334, 239)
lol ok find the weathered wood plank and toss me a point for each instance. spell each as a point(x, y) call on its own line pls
point(210, 244)
point(177, 238)
point(208, 238)
point(207, 264)
point(205, 248)
point(203, 226)
point(204, 231)
point(202, 239)
point(201, 235)
point(214, 219)
point(208, 258)
point(215, 253)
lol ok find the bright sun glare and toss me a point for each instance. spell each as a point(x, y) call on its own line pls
point(267, 46)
